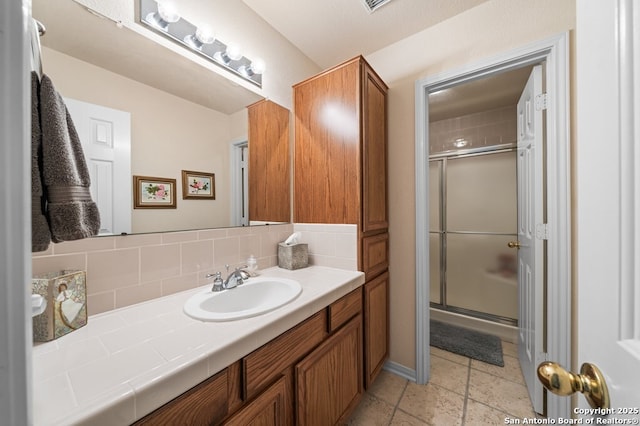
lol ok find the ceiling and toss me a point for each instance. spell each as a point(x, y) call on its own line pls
point(328, 32)
point(487, 93)
point(332, 31)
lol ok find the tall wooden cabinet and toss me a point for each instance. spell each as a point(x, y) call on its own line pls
point(269, 188)
point(340, 176)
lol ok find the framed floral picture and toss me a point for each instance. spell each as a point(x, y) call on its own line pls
point(198, 185)
point(154, 193)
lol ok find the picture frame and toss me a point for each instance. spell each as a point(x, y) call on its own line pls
point(154, 192)
point(198, 185)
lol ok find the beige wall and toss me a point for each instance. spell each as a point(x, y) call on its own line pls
point(124, 270)
point(492, 28)
point(168, 135)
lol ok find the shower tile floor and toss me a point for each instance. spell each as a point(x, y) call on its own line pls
point(462, 391)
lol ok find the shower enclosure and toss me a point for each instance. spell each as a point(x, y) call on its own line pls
point(472, 218)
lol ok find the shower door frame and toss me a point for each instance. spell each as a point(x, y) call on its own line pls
point(554, 52)
point(442, 232)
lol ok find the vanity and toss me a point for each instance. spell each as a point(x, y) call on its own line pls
point(150, 363)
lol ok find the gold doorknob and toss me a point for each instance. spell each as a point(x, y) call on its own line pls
point(513, 244)
point(590, 382)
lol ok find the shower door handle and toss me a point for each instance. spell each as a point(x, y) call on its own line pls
point(513, 244)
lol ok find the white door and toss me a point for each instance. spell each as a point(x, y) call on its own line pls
point(106, 140)
point(530, 218)
point(240, 183)
point(608, 197)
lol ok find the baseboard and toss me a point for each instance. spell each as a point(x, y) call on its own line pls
point(400, 370)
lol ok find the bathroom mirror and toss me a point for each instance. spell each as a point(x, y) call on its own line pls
point(183, 116)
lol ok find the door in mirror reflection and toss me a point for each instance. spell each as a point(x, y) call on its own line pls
point(105, 134)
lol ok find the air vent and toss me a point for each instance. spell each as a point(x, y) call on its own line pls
point(373, 5)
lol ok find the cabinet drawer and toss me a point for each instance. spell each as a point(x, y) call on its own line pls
point(204, 404)
point(265, 364)
point(344, 309)
point(375, 255)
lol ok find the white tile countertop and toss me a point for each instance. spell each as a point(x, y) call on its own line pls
point(126, 363)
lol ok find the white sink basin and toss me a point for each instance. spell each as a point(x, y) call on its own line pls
point(256, 296)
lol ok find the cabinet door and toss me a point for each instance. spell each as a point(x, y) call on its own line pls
point(268, 409)
point(374, 153)
point(329, 380)
point(376, 326)
point(327, 138)
point(269, 189)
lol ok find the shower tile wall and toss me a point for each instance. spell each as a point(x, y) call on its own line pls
point(486, 128)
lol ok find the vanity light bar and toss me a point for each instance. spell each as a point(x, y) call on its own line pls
point(189, 36)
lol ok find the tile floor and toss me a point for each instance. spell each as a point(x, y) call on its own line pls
point(462, 391)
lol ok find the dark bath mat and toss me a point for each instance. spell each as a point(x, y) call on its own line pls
point(470, 343)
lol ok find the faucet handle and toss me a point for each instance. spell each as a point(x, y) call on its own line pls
point(217, 281)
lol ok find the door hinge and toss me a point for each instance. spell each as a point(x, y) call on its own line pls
point(541, 102)
point(542, 231)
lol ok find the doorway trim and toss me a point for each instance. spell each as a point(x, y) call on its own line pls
point(15, 214)
point(554, 51)
point(239, 187)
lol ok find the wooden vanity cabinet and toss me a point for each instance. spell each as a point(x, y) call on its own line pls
point(310, 374)
point(340, 169)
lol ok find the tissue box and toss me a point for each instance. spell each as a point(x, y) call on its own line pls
point(293, 256)
point(66, 295)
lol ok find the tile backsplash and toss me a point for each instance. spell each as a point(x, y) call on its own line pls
point(123, 270)
point(330, 244)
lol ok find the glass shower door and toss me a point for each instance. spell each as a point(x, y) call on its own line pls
point(472, 208)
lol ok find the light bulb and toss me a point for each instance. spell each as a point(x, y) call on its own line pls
point(168, 12)
point(165, 15)
point(258, 66)
point(233, 52)
point(205, 35)
point(202, 36)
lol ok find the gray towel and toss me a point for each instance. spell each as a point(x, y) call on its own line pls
point(71, 211)
point(40, 234)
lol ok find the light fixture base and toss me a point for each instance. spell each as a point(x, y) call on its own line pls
point(183, 33)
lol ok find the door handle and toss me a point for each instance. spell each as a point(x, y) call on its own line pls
point(514, 244)
point(590, 382)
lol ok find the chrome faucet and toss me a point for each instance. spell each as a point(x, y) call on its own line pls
point(235, 278)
